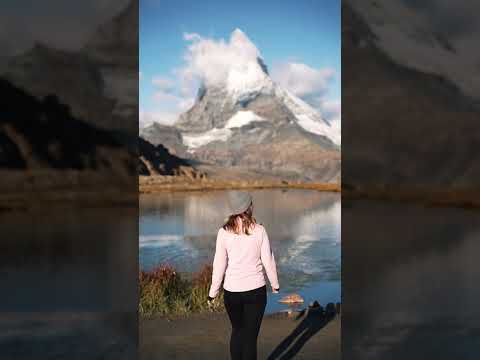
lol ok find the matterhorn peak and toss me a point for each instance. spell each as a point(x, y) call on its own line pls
point(238, 66)
point(238, 36)
point(243, 46)
point(242, 42)
point(238, 32)
point(235, 84)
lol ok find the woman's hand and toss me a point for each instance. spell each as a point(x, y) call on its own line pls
point(275, 291)
point(210, 301)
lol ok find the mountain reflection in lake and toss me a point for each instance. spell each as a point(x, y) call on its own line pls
point(68, 277)
point(303, 225)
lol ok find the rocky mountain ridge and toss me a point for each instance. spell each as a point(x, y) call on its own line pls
point(157, 160)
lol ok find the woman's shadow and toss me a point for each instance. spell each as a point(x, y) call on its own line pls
point(315, 320)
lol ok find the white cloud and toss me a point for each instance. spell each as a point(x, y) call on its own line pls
point(209, 60)
point(187, 82)
point(303, 80)
point(191, 36)
point(172, 106)
point(164, 83)
point(330, 109)
point(185, 103)
point(311, 85)
point(172, 101)
point(161, 96)
point(147, 118)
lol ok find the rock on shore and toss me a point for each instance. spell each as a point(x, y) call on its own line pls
point(291, 299)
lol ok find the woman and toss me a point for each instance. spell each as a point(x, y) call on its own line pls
point(241, 250)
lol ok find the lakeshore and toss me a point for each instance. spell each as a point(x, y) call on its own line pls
point(461, 197)
point(207, 336)
point(22, 190)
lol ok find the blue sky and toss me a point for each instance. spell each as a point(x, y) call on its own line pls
point(306, 32)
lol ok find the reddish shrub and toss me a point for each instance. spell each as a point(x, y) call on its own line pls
point(203, 277)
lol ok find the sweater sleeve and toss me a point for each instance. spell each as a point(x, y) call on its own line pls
point(219, 265)
point(268, 261)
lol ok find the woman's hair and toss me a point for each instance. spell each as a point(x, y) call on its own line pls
point(248, 221)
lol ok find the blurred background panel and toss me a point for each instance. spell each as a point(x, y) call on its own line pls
point(410, 189)
point(68, 179)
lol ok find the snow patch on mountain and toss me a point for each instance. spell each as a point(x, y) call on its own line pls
point(216, 134)
point(308, 118)
point(248, 77)
point(242, 118)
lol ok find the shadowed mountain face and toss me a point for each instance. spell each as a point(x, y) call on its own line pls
point(408, 139)
point(99, 83)
point(168, 136)
point(157, 160)
point(43, 134)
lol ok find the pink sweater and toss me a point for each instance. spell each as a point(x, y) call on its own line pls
point(239, 258)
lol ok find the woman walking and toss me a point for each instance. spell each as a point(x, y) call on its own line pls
point(242, 251)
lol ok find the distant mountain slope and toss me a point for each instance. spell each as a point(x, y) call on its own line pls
point(399, 125)
point(247, 120)
point(43, 134)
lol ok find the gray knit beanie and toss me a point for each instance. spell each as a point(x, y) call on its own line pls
point(238, 202)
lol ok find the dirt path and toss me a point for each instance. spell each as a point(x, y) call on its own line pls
point(207, 336)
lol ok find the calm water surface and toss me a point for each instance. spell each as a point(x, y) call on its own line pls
point(303, 225)
point(411, 280)
point(68, 281)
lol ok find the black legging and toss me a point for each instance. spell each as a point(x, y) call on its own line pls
point(245, 310)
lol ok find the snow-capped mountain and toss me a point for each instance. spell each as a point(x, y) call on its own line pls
point(244, 118)
point(224, 100)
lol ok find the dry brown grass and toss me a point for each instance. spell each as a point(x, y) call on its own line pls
point(153, 184)
point(163, 291)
